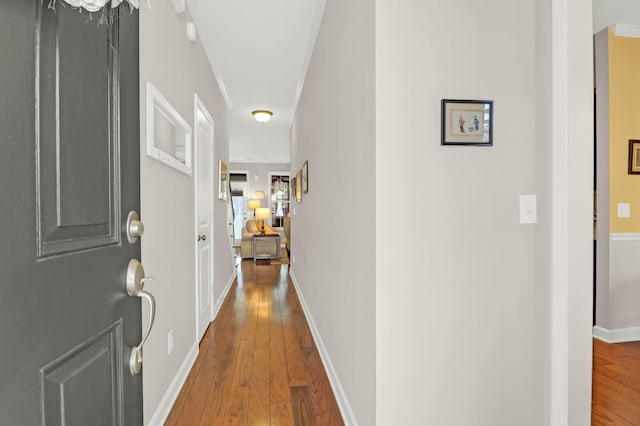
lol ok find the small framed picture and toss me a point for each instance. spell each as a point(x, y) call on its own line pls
point(223, 180)
point(305, 177)
point(467, 122)
point(294, 187)
point(634, 157)
point(299, 186)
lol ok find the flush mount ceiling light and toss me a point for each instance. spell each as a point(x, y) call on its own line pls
point(262, 115)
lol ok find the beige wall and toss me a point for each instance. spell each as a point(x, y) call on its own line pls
point(178, 69)
point(333, 229)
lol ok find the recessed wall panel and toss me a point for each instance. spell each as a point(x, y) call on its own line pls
point(83, 386)
point(76, 136)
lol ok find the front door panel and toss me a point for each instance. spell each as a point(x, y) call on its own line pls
point(76, 139)
point(69, 175)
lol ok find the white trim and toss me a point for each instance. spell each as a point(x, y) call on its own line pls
point(223, 294)
point(617, 335)
point(626, 30)
point(624, 236)
point(341, 398)
point(155, 102)
point(559, 392)
point(170, 396)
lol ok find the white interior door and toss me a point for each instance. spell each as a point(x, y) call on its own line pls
point(204, 213)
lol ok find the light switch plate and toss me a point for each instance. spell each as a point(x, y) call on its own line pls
point(528, 209)
point(170, 342)
point(624, 210)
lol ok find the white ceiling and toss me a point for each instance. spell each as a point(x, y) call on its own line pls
point(607, 13)
point(259, 51)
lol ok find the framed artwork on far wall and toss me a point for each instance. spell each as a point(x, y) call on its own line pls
point(305, 177)
point(299, 186)
point(467, 122)
point(634, 156)
point(223, 180)
point(294, 187)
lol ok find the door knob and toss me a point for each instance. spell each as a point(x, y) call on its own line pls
point(135, 287)
point(135, 228)
point(202, 237)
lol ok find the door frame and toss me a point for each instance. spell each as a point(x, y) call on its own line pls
point(199, 106)
point(571, 202)
point(245, 200)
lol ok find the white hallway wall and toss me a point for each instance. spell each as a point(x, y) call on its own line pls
point(466, 302)
point(178, 69)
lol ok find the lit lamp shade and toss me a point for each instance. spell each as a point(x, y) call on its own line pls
point(258, 194)
point(254, 204)
point(263, 213)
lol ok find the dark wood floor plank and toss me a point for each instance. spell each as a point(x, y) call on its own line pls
point(303, 414)
point(238, 404)
point(260, 393)
point(259, 341)
point(226, 350)
point(264, 318)
point(616, 383)
point(281, 409)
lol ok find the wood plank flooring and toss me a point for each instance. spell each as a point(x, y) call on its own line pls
point(616, 384)
point(258, 364)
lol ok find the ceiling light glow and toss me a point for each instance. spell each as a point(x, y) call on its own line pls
point(262, 115)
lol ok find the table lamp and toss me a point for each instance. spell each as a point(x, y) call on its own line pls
point(254, 204)
point(263, 213)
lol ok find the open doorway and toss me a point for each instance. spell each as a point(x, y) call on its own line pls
point(616, 310)
point(239, 187)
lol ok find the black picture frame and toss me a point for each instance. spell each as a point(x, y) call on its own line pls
point(634, 157)
point(466, 122)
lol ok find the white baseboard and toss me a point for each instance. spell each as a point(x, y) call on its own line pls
point(617, 335)
point(341, 398)
point(170, 396)
point(223, 295)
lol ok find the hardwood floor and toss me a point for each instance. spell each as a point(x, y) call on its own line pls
point(258, 364)
point(616, 383)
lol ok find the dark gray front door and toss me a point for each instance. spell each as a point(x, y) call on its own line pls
point(69, 174)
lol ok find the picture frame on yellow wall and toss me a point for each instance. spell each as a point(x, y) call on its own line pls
point(634, 157)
